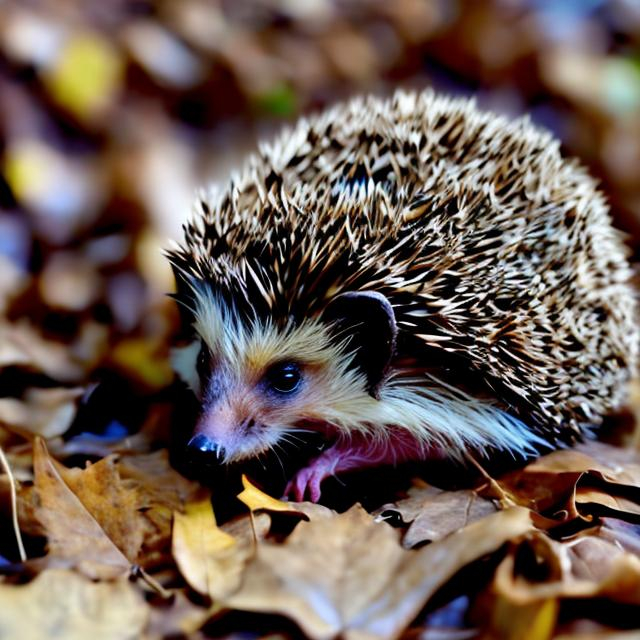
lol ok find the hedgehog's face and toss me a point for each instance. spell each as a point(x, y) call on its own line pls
point(257, 382)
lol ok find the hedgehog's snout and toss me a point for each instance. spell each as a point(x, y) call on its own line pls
point(223, 432)
point(204, 451)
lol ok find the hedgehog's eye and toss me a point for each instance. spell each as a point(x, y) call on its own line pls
point(284, 377)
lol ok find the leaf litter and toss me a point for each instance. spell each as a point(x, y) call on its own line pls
point(347, 574)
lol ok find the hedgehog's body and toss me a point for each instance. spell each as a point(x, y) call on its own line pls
point(411, 272)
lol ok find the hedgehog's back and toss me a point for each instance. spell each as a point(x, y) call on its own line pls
point(488, 244)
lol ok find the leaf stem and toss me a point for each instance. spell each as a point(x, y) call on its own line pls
point(138, 573)
point(14, 505)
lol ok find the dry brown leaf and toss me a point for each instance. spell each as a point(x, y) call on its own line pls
point(565, 461)
point(157, 479)
point(445, 514)
point(210, 559)
point(28, 504)
point(114, 504)
point(348, 575)
point(591, 558)
point(326, 572)
point(45, 412)
point(543, 491)
point(352, 53)
point(594, 501)
point(409, 508)
point(571, 483)
point(22, 346)
point(63, 604)
point(423, 572)
point(248, 528)
point(74, 536)
point(69, 281)
point(161, 490)
point(147, 482)
point(434, 513)
point(614, 464)
point(584, 567)
point(617, 464)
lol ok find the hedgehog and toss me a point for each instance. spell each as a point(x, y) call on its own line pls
point(411, 277)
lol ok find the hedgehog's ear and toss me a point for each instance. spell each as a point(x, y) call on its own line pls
point(366, 319)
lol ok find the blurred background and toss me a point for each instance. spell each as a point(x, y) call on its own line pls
point(112, 112)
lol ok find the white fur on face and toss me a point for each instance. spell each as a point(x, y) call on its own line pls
point(241, 355)
point(332, 392)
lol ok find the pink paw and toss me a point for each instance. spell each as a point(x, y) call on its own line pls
point(307, 482)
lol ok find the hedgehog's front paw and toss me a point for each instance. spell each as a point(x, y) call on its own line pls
point(307, 481)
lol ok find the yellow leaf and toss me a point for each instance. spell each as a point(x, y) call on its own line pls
point(210, 560)
point(140, 357)
point(87, 76)
point(27, 168)
point(532, 621)
point(256, 499)
point(543, 621)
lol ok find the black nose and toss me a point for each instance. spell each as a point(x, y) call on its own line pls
point(203, 450)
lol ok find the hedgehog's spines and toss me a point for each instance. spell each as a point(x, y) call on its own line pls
point(488, 244)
